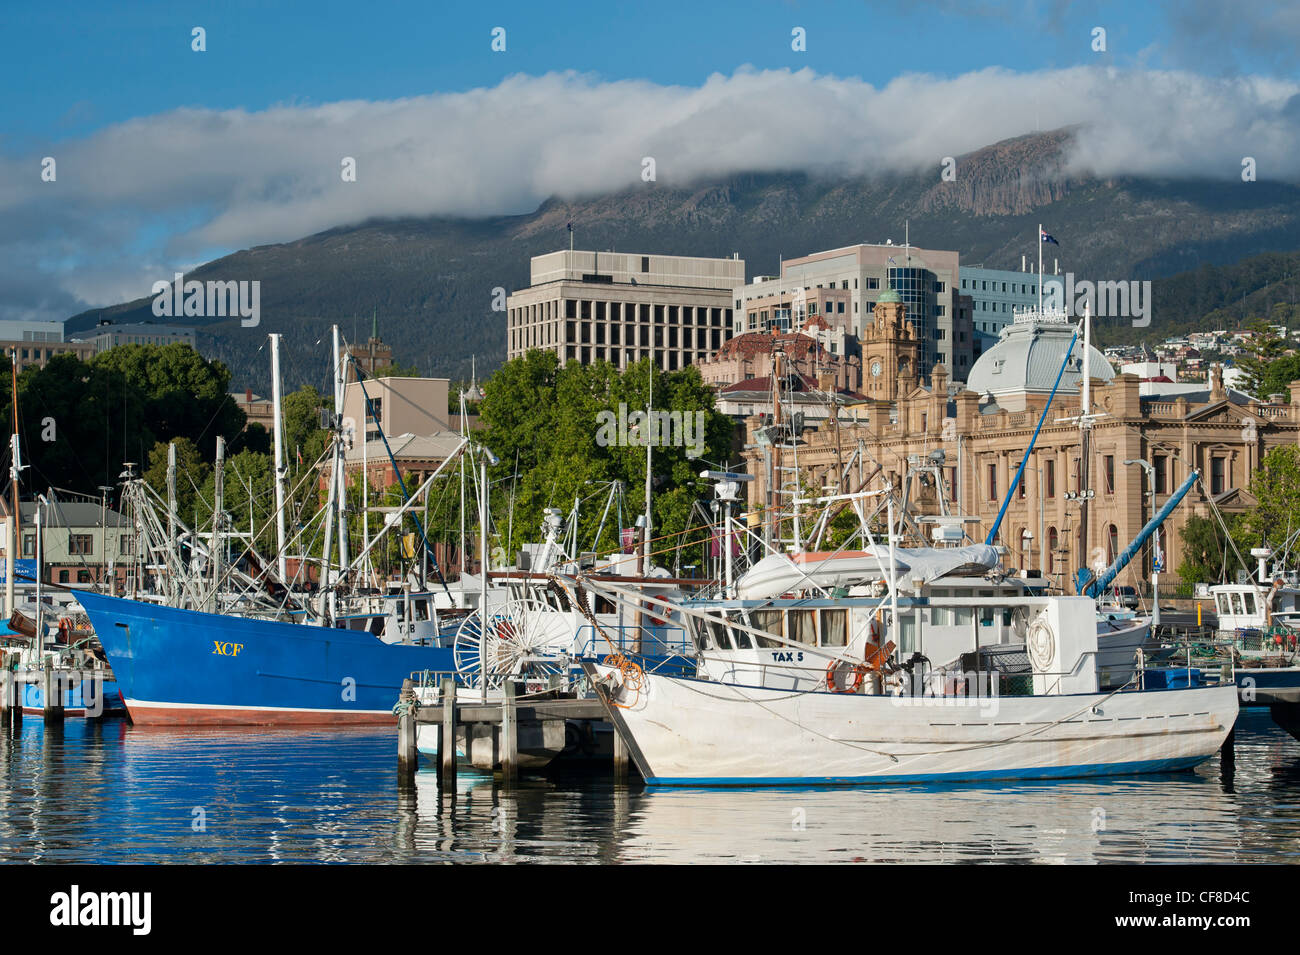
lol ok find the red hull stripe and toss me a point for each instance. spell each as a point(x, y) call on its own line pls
point(163, 715)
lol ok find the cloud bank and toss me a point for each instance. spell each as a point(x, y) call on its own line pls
point(137, 200)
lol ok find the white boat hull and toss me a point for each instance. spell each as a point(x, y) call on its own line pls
point(685, 732)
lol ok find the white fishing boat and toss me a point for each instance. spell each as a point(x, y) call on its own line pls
point(693, 731)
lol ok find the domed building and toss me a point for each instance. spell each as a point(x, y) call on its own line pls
point(972, 440)
point(1025, 362)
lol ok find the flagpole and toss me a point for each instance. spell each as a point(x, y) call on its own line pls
point(1040, 268)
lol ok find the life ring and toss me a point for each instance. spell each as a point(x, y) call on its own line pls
point(859, 671)
point(657, 621)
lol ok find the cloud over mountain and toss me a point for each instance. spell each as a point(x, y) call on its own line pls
point(138, 199)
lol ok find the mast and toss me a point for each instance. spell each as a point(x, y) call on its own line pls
point(15, 466)
point(365, 493)
point(1085, 432)
point(893, 570)
point(649, 440)
point(339, 470)
point(279, 463)
point(464, 431)
point(218, 518)
point(171, 497)
point(40, 572)
point(331, 509)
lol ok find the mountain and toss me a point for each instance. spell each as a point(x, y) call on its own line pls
point(429, 281)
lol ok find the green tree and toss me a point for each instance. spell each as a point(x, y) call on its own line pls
point(302, 430)
point(78, 423)
point(556, 424)
point(192, 474)
point(184, 394)
point(1204, 547)
point(1266, 348)
point(1275, 486)
point(249, 495)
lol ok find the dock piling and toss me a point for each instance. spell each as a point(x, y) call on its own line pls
point(11, 698)
point(408, 757)
point(509, 736)
point(447, 739)
point(620, 758)
point(53, 688)
point(1228, 754)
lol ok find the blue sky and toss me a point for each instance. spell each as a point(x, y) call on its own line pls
point(167, 158)
point(82, 64)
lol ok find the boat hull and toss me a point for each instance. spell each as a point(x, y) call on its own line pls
point(685, 732)
point(183, 667)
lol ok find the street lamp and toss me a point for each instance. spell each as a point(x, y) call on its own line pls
point(1157, 557)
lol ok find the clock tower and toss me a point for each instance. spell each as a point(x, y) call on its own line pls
point(890, 350)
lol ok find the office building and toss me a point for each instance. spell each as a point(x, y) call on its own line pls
point(622, 307)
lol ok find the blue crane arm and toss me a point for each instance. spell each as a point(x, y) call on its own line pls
point(1011, 489)
point(1098, 586)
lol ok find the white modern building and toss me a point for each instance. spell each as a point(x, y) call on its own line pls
point(621, 307)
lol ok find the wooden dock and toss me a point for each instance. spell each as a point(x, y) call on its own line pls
point(505, 718)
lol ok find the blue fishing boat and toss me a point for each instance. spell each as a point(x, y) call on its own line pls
point(177, 666)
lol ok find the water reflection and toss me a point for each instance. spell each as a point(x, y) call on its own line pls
point(108, 792)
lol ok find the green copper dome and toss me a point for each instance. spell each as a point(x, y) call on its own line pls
point(889, 295)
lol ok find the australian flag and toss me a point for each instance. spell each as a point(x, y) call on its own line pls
point(1042, 234)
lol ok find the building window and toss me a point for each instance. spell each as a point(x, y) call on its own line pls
point(1049, 475)
point(1112, 543)
point(1110, 473)
point(1053, 541)
point(1216, 475)
point(29, 545)
point(993, 482)
point(81, 544)
point(1161, 477)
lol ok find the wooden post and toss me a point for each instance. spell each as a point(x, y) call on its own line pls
point(7, 691)
point(620, 758)
point(509, 737)
point(17, 691)
point(447, 737)
point(408, 757)
point(53, 696)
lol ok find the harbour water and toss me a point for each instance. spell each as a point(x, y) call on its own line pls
point(112, 793)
